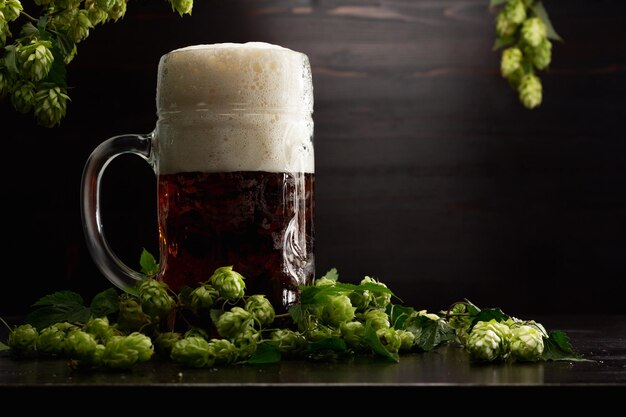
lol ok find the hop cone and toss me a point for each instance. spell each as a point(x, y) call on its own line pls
point(325, 282)
point(337, 310)
point(203, 298)
point(165, 342)
point(246, 343)
point(378, 319)
point(407, 339)
point(228, 283)
point(131, 317)
point(193, 352)
point(233, 322)
point(80, 345)
point(390, 339)
point(182, 6)
point(380, 299)
point(533, 31)
point(123, 352)
point(50, 105)
point(118, 10)
point(504, 27)
point(288, 341)
point(488, 341)
point(511, 61)
point(542, 54)
point(515, 11)
point(51, 341)
point(353, 333)
point(11, 9)
point(23, 96)
point(526, 343)
point(35, 59)
point(530, 91)
point(261, 309)
point(23, 338)
point(225, 351)
point(155, 301)
point(100, 329)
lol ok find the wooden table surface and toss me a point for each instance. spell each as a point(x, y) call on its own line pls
point(602, 339)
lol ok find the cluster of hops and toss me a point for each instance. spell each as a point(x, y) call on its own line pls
point(495, 341)
point(96, 344)
point(216, 324)
point(522, 26)
point(32, 66)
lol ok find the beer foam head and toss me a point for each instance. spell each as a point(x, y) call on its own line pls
point(235, 107)
point(224, 77)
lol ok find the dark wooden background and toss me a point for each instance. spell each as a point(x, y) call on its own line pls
point(429, 173)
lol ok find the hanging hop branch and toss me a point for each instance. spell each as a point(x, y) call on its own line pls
point(33, 63)
point(524, 30)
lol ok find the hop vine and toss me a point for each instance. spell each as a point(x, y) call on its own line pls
point(35, 50)
point(525, 32)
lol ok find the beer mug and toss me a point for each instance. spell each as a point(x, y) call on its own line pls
point(233, 154)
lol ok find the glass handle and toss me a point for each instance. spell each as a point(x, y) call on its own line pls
point(111, 266)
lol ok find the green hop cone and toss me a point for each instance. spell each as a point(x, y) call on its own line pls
point(233, 322)
point(380, 299)
point(317, 333)
point(23, 96)
point(288, 341)
point(322, 282)
point(353, 333)
point(196, 332)
point(131, 317)
point(460, 323)
point(23, 339)
point(182, 6)
point(261, 309)
point(118, 10)
point(390, 339)
point(378, 319)
point(4, 30)
point(488, 341)
point(534, 31)
point(203, 298)
point(51, 341)
point(515, 11)
point(35, 59)
point(100, 329)
point(123, 352)
point(106, 5)
point(164, 343)
point(526, 343)
point(225, 351)
point(154, 298)
point(530, 91)
point(193, 352)
point(246, 343)
point(504, 27)
point(511, 61)
point(337, 309)
point(361, 299)
point(228, 283)
point(407, 339)
point(50, 105)
point(11, 9)
point(80, 345)
point(542, 54)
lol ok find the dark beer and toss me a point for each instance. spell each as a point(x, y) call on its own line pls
point(259, 222)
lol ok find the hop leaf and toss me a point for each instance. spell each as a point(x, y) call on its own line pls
point(50, 105)
point(530, 91)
